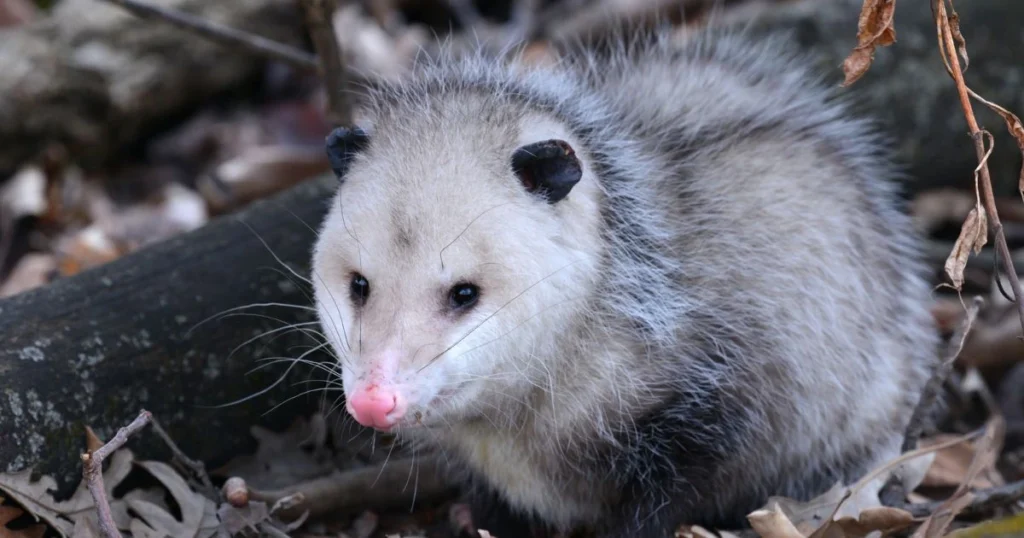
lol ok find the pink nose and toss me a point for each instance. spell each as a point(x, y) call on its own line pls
point(376, 406)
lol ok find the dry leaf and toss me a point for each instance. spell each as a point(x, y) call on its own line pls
point(951, 464)
point(234, 519)
point(364, 525)
point(16, 12)
point(192, 505)
point(773, 523)
point(24, 194)
point(92, 441)
point(173, 211)
point(973, 236)
point(10, 513)
point(694, 531)
point(86, 527)
point(280, 460)
point(937, 523)
point(260, 172)
point(87, 248)
point(882, 519)
point(36, 499)
point(958, 38)
point(32, 271)
point(986, 451)
point(874, 29)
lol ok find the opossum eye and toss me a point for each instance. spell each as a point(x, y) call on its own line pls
point(463, 296)
point(342, 145)
point(549, 168)
point(359, 289)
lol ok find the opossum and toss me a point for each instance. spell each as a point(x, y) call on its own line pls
point(643, 286)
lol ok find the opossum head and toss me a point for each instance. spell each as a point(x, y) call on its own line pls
point(456, 260)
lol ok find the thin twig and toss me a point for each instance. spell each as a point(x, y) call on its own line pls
point(221, 34)
point(319, 17)
point(197, 466)
point(984, 500)
point(93, 472)
point(947, 47)
point(892, 493)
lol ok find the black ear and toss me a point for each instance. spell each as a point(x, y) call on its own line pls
point(342, 145)
point(549, 168)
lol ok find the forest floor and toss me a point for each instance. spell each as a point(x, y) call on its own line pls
point(59, 218)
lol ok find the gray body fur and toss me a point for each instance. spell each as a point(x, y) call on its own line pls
point(755, 321)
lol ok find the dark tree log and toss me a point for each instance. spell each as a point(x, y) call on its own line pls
point(96, 79)
point(908, 89)
point(95, 348)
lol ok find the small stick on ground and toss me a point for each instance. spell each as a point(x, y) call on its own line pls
point(319, 16)
point(221, 34)
point(398, 484)
point(93, 472)
point(197, 467)
point(892, 493)
point(984, 501)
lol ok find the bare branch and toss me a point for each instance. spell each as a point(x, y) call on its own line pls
point(93, 472)
point(197, 467)
point(984, 501)
point(319, 16)
point(221, 34)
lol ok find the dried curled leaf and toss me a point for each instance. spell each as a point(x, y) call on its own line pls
point(35, 496)
point(773, 523)
point(986, 452)
point(882, 519)
point(198, 514)
point(874, 29)
point(973, 236)
point(9, 514)
point(961, 44)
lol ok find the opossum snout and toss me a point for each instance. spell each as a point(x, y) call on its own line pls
point(376, 406)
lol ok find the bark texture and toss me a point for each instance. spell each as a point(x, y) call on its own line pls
point(95, 348)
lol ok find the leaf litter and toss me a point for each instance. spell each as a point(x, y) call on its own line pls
point(254, 157)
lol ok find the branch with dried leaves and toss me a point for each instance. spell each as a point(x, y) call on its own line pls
point(950, 41)
point(875, 29)
point(318, 17)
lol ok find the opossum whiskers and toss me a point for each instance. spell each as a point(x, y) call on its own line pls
point(332, 370)
point(344, 332)
point(544, 310)
point(275, 383)
point(491, 315)
point(232, 310)
point(440, 254)
point(328, 387)
point(274, 254)
point(288, 328)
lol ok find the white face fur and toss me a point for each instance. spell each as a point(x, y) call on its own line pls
point(469, 280)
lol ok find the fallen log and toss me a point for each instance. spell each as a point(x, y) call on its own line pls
point(96, 80)
point(93, 349)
